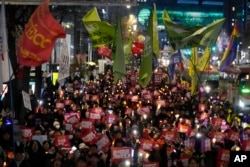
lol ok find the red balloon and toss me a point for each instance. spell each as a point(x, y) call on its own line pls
point(137, 48)
point(104, 51)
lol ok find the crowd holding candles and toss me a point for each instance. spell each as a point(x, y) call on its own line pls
point(97, 123)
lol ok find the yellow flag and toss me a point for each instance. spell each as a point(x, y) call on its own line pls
point(192, 70)
point(166, 16)
point(100, 32)
point(194, 84)
point(92, 15)
point(193, 62)
point(204, 61)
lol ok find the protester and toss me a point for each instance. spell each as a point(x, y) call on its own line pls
point(99, 123)
point(20, 159)
point(81, 163)
point(193, 162)
point(6, 138)
point(36, 155)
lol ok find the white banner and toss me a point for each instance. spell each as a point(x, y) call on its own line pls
point(65, 62)
point(26, 100)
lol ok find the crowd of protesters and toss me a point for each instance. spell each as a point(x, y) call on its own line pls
point(102, 124)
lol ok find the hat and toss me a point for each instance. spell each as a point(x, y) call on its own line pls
point(83, 146)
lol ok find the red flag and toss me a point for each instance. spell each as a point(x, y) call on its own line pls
point(39, 36)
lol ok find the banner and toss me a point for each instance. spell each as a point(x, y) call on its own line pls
point(26, 100)
point(100, 32)
point(119, 154)
point(146, 144)
point(94, 116)
point(72, 118)
point(27, 133)
point(169, 135)
point(217, 122)
point(86, 124)
point(38, 38)
point(103, 142)
point(40, 138)
point(64, 65)
point(111, 118)
point(89, 138)
point(233, 136)
point(62, 140)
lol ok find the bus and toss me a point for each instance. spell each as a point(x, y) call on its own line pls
point(244, 91)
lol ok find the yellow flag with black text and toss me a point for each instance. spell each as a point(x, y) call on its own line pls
point(100, 32)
